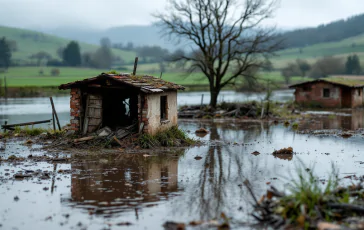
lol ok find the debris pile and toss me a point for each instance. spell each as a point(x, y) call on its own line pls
point(284, 151)
point(249, 110)
point(103, 137)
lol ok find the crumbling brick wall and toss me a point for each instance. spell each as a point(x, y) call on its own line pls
point(75, 105)
point(312, 95)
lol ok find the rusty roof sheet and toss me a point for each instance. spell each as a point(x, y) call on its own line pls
point(335, 81)
point(145, 83)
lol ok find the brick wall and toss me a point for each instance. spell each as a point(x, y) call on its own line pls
point(312, 95)
point(75, 105)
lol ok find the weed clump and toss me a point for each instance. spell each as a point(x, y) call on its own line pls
point(295, 125)
point(172, 137)
point(31, 131)
point(310, 201)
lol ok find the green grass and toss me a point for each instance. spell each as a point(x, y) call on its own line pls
point(308, 195)
point(29, 76)
point(171, 137)
point(33, 131)
point(30, 42)
point(311, 53)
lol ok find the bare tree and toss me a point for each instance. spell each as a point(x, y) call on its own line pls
point(226, 34)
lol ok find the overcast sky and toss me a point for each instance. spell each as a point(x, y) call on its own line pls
point(103, 14)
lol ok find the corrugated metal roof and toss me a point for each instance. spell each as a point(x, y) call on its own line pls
point(145, 83)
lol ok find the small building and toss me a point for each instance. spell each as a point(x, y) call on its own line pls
point(329, 93)
point(122, 100)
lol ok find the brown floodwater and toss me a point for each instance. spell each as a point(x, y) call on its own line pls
point(197, 183)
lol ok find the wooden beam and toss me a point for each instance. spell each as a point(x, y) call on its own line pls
point(24, 124)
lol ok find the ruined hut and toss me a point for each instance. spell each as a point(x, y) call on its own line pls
point(117, 101)
point(330, 93)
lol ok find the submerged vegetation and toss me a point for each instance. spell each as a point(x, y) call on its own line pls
point(173, 137)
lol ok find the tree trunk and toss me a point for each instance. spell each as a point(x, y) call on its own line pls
point(214, 94)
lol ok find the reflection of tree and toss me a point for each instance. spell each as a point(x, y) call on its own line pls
point(125, 183)
point(219, 186)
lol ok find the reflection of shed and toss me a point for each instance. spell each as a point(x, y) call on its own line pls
point(330, 93)
point(132, 181)
point(120, 100)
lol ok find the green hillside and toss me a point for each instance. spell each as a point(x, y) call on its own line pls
point(311, 53)
point(30, 42)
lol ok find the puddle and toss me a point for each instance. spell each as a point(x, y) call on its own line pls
point(195, 184)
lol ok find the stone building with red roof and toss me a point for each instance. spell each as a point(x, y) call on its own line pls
point(330, 93)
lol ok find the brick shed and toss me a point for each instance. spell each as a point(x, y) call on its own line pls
point(123, 100)
point(330, 93)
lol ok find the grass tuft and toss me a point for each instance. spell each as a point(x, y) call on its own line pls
point(308, 197)
point(169, 138)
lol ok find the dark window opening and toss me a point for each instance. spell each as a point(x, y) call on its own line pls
point(164, 115)
point(119, 109)
point(359, 92)
point(326, 92)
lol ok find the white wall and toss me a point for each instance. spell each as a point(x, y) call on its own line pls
point(153, 113)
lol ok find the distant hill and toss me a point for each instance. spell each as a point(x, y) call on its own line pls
point(138, 35)
point(331, 32)
point(30, 42)
point(151, 35)
point(341, 48)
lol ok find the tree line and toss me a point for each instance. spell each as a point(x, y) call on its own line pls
point(323, 67)
point(334, 31)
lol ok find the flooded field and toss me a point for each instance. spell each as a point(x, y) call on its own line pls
point(144, 191)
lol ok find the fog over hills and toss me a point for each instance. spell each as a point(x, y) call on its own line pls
point(139, 35)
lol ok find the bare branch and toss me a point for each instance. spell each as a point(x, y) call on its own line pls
point(227, 37)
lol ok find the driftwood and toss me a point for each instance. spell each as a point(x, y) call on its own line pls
point(348, 207)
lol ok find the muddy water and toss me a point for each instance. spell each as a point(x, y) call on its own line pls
point(17, 110)
point(192, 184)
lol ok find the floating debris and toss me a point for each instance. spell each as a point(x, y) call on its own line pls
point(288, 150)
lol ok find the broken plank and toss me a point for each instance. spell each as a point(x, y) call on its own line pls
point(117, 140)
point(84, 139)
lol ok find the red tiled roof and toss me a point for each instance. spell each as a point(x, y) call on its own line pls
point(334, 81)
point(147, 84)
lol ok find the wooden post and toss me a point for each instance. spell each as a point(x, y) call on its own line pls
point(135, 65)
point(161, 75)
point(54, 121)
point(55, 113)
point(201, 101)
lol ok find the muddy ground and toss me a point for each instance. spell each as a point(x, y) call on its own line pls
point(142, 189)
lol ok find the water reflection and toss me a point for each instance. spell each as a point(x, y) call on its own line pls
point(147, 191)
point(128, 183)
point(350, 120)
